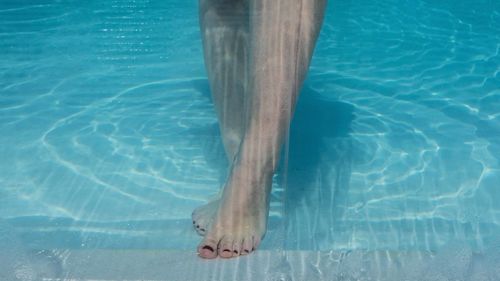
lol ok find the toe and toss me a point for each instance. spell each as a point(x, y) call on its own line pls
point(200, 230)
point(247, 246)
point(226, 247)
point(208, 248)
point(237, 247)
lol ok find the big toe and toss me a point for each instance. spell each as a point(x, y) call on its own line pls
point(208, 248)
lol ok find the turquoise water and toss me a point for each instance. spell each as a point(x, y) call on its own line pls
point(108, 138)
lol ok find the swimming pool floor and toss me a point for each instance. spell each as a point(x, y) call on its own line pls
point(132, 265)
point(108, 140)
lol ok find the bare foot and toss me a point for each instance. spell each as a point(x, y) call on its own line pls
point(204, 215)
point(240, 221)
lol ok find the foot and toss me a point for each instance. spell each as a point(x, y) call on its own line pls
point(204, 215)
point(239, 222)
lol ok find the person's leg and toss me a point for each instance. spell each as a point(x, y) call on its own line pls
point(224, 30)
point(283, 34)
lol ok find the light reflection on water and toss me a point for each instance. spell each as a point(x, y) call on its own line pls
point(109, 139)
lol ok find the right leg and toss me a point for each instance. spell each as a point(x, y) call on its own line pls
point(283, 35)
point(224, 30)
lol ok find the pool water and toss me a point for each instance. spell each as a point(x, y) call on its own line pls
point(108, 137)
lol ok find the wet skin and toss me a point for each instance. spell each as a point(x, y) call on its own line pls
point(257, 53)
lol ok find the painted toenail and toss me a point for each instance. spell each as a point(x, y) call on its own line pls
point(202, 229)
point(208, 248)
point(197, 226)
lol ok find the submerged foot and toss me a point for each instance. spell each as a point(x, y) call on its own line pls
point(204, 215)
point(239, 223)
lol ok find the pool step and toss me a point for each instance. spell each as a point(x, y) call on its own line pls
point(110, 265)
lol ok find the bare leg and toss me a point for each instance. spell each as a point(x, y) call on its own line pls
point(224, 29)
point(283, 34)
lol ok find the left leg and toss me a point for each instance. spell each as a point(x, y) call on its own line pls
point(282, 35)
point(224, 30)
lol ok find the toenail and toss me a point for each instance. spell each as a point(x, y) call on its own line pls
point(208, 248)
point(236, 252)
point(202, 229)
point(246, 251)
point(194, 222)
point(197, 226)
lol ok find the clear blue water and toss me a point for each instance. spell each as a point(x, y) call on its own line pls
point(108, 138)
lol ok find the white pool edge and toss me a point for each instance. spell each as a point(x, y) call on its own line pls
point(132, 265)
